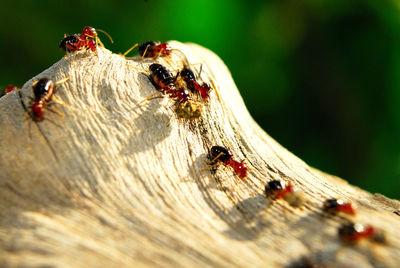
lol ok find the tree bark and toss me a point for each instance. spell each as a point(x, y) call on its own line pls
point(118, 182)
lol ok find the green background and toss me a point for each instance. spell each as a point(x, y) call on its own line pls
point(321, 77)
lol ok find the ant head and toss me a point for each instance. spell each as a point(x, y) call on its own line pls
point(347, 231)
point(154, 67)
point(274, 187)
point(187, 74)
point(332, 204)
point(42, 87)
point(220, 153)
point(89, 32)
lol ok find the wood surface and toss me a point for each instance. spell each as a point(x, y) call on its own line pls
point(118, 182)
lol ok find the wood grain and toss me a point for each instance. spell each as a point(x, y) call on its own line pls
point(119, 183)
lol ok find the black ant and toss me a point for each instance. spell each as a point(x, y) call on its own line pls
point(219, 153)
point(335, 206)
point(278, 189)
point(351, 233)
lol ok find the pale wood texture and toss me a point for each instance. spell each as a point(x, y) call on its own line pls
point(129, 186)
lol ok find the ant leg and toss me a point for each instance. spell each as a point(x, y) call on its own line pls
point(58, 101)
point(63, 80)
point(140, 69)
point(99, 42)
point(129, 50)
point(215, 88)
point(218, 156)
point(54, 110)
point(211, 167)
point(186, 62)
point(34, 83)
point(149, 97)
point(145, 51)
point(27, 115)
point(176, 76)
point(54, 123)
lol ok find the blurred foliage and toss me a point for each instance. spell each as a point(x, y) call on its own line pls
point(320, 76)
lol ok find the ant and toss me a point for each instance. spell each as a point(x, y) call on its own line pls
point(43, 90)
point(351, 233)
point(8, 89)
point(219, 153)
point(335, 206)
point(163, 80)
point(151, 49)
point(277, 189)
point(74, 42)
point(193, 85)
point(87, 39)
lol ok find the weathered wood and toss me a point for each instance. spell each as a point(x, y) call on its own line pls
point(129, 186)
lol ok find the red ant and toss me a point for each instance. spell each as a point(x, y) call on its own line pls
point(353, 233)
point(10, 88)
point(87, 39)
point(277, 189)
point(43, 90)
point(219, 153)
point(151, 49)
point(335, 206)
point(192, 83)
point(74, 42)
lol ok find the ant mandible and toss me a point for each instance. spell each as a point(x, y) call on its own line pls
point(221, 154)
point(43, 90)
point(352, 233)
point(334, 206)
point(278, 189)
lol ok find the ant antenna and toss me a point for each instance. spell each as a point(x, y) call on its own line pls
point(145, 51)
point(104, 32)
